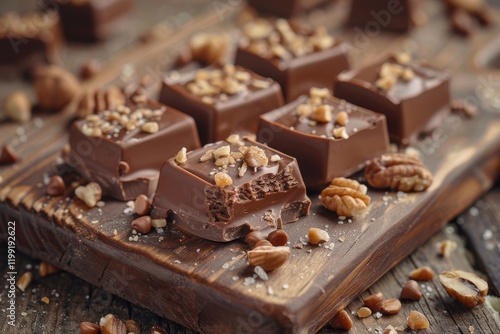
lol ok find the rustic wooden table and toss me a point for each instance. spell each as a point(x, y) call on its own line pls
point(477, 230)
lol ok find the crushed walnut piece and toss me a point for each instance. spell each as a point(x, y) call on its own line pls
point(346, 197)
point(317, 111)
point(211, 85)
point(109, 123)
point(398, 171)
point(392, 71)
point(284, 40)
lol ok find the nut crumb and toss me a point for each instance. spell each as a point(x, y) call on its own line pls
point(223, 180)
point(364, 312)
point(181, 156)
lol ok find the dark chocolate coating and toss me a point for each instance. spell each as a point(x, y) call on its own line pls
point(297, 75)
point(217, 121)
point(188, 192)
point(37, 35)
point(98, 158)
point(412, 108)
point(94, 20)
point(321, 157)
point(372, 16)
point(286, 8)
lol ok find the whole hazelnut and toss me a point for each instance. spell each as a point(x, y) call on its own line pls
point(55, 87)
point(17, 107)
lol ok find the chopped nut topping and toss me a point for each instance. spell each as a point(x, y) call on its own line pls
point(280, 39)
point(340, 133)
point(223, 180)
point(181, 156)
point(150, 127)
point(390, 72)
point(322, 114)
point(255, 157)
point(275, 158)
point(235, 140)
point(342, 118)
point(243, 169)
point(319, 92)
point(208, 155)
point(216, 84)
point(222, 151)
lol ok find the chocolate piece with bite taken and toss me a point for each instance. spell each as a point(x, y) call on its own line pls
point(413, 96)
point(329, 137)
point(225, 190)
point(296, 56)
point(123, 147)
point(222, 100)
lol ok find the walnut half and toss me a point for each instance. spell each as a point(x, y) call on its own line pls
point(398, 171)
point(346, 197)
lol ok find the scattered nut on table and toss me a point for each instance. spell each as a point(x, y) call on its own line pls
point(342, 320)
point(346, 197)
point(417, 320)
point(411, 291)
point(468, 288)
point(398, 171)
point(55, 87)
point(17, 107)
point(422, 274)
point(268, 257)
point(374, 302)
point(112, 325)
point(89, 194)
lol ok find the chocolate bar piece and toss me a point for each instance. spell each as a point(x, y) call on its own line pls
point(123, 148)
point(35, 36)
point(369, 17)
point(295, 56)
point(94, 20)
point(227, 189)
point(329, 137)
point(286, 8)
point(413, 96)
point(222, 100)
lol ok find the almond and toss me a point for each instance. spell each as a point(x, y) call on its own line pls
point(391, 306)
point(268, 257)
point(374, 302)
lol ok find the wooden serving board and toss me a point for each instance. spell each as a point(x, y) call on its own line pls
point(209, 286)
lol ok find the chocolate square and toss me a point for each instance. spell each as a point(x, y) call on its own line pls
point(321, 153)
point(117, 149)
point(295, 56)
point(263, 198)
point(286, 8)
point(30, 37)
point(412, 107)
point(371, 16)
point(222, 100)
point(94, 20)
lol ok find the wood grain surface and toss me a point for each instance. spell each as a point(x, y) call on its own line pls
point(201, 284)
